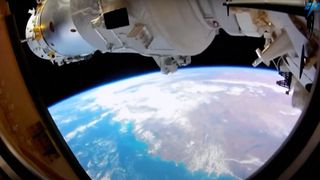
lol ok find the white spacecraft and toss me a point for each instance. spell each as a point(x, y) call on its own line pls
point(171, 31)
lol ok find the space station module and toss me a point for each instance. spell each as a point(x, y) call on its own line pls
point(171, 31)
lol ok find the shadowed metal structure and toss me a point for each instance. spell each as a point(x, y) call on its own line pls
point(291, 7)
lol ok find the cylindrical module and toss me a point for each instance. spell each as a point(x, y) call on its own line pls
point(69, 30)
point(182, 24)
point(52, 35)
point(61, 33)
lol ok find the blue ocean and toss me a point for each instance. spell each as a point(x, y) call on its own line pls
point(106, 152)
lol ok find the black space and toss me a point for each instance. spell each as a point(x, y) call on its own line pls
point(56, 83)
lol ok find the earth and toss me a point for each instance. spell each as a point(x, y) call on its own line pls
point(201, 123)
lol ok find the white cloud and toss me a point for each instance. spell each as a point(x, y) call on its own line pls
point(157, 100)
point(210, 159)
point(190, 144)
point(225, 120)
point(275, 88)
point(69, 119)
point(123, 129)
point(79, 130)
point(235, 91)
point(250, 161)
point(107, 176)
point(83, 128)
point(148, 136)
point(293, 112)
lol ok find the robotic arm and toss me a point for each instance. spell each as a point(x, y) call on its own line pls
point(66, 31)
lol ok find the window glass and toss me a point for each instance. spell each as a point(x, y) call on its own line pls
point(201, 123)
